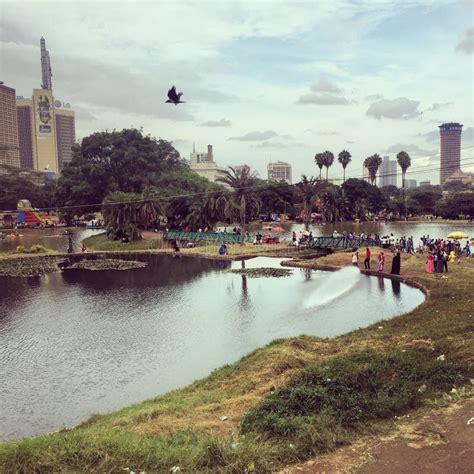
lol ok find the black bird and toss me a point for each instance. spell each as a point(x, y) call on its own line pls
point(174, 97)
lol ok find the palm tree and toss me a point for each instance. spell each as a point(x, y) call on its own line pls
point(344, 158)
point(404, 161)
point(307, 190)
point(372, 163)
point(244, 198)
point(328, 160)
point(319, 159)
point(335, 204)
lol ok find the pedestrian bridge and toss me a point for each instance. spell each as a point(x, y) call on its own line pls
point(220, 237)
point(342, 242)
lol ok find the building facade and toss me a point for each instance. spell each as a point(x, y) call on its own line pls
point(26, 135)
point(410, 183)
point(388, 172)
point(9, 144)
point(425, 183)
point(450, 149)
point(204, 165)
point(65, 135)
point(279, 171)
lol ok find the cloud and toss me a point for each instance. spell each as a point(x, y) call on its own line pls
point(324, 92)
point(329, 133)
point(178, 142)
point(373, 97)
point(217, 123)
point(412, 149)
point(255, 136)
point(322, 99)
point(399, 108)
point(466, 44)
point(437, 106)
point(279, 145)
point(323, 85)
point(431, 136)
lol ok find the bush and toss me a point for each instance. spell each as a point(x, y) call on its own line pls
point(20, 249)
point(323, 404)
point(38, 248)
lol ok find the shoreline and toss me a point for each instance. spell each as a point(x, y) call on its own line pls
point(233, 389)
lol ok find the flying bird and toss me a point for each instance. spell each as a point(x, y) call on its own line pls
point(174, 97)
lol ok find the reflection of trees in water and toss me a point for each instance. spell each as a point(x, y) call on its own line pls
point(396, 287)
point(162, 270)
point(13, 292)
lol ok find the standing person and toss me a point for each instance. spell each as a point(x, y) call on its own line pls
point(355, 258)
point(439, 262)
point(467, 248)
point(396, 264)
point(445, 261)
point(381, 262)
point(429, 263)
point(293, 236)
point(69, 244)
point(367, 259)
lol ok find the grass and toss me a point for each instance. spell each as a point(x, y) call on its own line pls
point(281, 408)
point(102, 244)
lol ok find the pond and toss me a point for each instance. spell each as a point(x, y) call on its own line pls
point(79, 342)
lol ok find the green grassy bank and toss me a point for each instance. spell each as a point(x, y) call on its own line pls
point(287, 401)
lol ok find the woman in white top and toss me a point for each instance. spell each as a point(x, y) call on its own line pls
point(355, 258)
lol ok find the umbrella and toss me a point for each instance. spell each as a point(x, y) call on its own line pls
point(278, 229)
point(457, 235)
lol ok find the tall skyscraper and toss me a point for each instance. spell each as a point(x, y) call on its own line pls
point(46, 72)
point(9, 146)
point(388, 173)
point(26, 133)
point(450, 148)
point(279, 171)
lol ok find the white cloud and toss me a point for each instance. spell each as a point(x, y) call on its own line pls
point(466, 44)
point(400, 108)
point(217, 123)
point(255, 136)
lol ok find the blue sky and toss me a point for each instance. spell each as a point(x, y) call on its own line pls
point(331, 74)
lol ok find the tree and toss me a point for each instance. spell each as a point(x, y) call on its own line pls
point(106, 162)
point(344, 158)
point(372, 163)
point(404, 161)
point(319, 159)
point(244, 198)
point(355, 189)
point(307, 190)
point(425, 198)
point(328, 160)
point(334, 203)
point(128, 213)
point(455, 205)
point(277, 197)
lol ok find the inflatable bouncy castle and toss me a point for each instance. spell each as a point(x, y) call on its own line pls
point(29, 216)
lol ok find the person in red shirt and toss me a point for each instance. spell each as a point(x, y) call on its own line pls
point(367, 259)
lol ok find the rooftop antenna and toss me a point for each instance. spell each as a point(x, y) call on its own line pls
point(194, 148)
point(46, 72)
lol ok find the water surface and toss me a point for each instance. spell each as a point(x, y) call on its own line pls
point(77, 343)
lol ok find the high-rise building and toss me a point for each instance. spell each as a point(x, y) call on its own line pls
point(204, 165)
point(65, 134)
point(410, 183)
point(46, 71)
point(388, 173)
point(279, 171)
point(450, 148)
point(425, 183)
point(9, 146)
point(46, 126)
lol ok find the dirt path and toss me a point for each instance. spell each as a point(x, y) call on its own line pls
point(437, 443)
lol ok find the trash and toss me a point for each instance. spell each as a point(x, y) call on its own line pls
point(453, 390)
point(234, 445)
point(251, 467)
point(223, 418)
point(423, 388)
point(470, 421)
point(442, 357)
point(445, 277)
point(328, 380)
point(175, 469)
point(292, 446)
point(380, 327)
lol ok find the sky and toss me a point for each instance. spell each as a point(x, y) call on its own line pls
point(263, 80)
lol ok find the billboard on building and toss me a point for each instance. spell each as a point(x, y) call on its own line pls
point(44, 115)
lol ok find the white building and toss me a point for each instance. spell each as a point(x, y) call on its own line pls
point(279, 171)
point(204, 165)
point(388, 173)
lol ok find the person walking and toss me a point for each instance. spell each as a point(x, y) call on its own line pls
point(367, 259)
point(429, 263)
point(355, 258)
point(445, 261)
point(396, 264)
point(381, 262)
point(70, 248)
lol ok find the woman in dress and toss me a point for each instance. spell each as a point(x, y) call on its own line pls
point(396, 264)
point(429, 263)
point(381, 262)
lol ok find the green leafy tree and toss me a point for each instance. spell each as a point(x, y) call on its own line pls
point(425, 198)
point(277, 197)
point(334, 203)
point(328, 160)
point(319, 160)
point(308, 190)
point(372, 163)
point(404, 161)
point(344, 158)
point(244, 199)
point(355, 189)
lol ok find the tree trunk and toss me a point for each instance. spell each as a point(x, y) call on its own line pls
point(327, 170)
point(320, 171)
point(404, 195)
point(243, 223)
point(343, 174)
point(306, 215)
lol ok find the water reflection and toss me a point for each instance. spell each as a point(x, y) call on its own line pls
point(396, 287)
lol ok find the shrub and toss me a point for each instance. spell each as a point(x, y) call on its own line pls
point(20, 249)
point(38, 248)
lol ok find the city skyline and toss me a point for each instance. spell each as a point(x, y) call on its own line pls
point(305, 97)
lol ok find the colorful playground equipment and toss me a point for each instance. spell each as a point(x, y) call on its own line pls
point(29, 216)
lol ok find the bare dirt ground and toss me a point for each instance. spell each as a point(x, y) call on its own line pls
point(439, 442)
